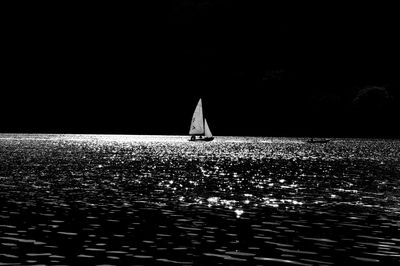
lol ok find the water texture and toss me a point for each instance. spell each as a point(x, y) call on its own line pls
point(162, 200)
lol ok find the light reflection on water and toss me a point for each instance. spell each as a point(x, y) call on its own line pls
point(141, 199)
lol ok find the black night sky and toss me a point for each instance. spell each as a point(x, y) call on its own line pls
point(262, 70)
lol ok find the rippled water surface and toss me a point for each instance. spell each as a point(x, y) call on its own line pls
point(159, 200)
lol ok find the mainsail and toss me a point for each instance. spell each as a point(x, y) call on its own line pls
point(197, 125)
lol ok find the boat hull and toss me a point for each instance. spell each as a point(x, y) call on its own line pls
point(318, 141)
point(202, 139)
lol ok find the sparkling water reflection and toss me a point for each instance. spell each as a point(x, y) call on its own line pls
point(144, 200)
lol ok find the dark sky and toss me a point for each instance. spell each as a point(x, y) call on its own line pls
point(261, 69)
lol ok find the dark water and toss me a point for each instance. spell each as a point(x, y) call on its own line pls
point(158, 200)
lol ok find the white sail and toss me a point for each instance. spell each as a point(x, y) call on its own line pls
point(197, 125)
point(207, 131)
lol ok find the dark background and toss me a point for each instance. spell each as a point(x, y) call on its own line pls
point(262, 70)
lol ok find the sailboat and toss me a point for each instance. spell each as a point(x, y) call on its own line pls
point(199, 126)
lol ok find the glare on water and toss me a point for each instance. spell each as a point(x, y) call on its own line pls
point(125, 199)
